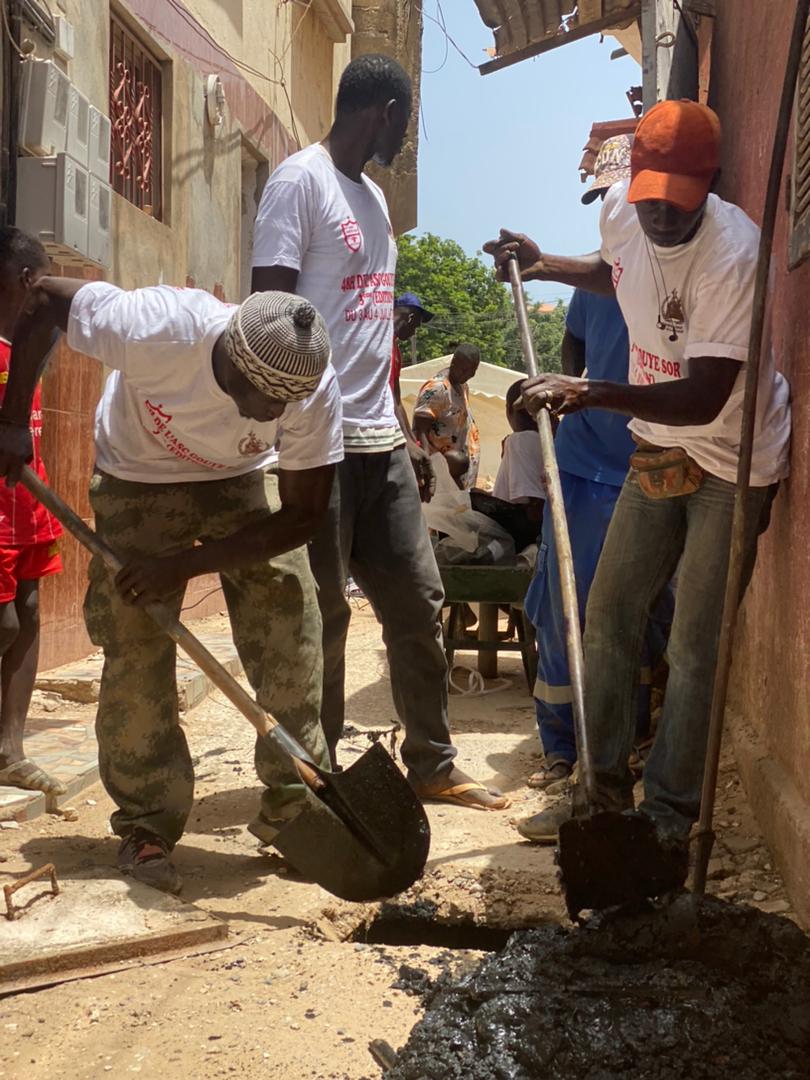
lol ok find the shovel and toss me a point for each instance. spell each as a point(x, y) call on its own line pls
point(605, 858)
point(362, 835)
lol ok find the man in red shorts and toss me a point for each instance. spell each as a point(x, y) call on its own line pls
point(28, 539)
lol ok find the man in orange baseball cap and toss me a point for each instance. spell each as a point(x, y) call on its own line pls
point(676, 155)
point(681, 262)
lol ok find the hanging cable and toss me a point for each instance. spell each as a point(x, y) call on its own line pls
point(434, 71)
point(442, 26)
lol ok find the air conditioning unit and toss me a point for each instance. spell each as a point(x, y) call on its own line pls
point(65, 38)
point(78, 129)
point(45, 95)
point(53, 196)
point(99, 242)
point(98, 161)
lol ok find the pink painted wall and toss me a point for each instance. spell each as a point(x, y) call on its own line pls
point(771, 681)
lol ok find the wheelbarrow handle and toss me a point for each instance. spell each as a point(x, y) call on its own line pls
point(568, 588)
point(263, 722)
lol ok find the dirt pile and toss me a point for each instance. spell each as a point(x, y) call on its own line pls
point(690, 989)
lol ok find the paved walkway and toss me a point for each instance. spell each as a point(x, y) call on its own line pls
point(65, 745)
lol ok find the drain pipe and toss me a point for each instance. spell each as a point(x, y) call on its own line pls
point(11, 107)
point(705, 833)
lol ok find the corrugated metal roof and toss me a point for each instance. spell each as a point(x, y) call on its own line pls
point(525, 28)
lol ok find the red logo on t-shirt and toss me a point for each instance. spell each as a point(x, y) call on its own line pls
point(616, 273)
point(352, 236)
point(252, 445)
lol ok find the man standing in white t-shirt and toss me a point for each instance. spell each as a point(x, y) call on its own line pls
point(199, 395)
point(682, 263)
point(323, 231)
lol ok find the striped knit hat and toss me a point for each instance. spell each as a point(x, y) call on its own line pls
point(280, 343)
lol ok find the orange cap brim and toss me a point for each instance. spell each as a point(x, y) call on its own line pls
point(685, 192)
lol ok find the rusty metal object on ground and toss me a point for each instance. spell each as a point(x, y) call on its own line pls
point(48, 870)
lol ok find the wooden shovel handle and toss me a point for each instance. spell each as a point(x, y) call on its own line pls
point(262, 721)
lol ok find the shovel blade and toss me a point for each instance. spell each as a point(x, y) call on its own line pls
point(611, 858)
point(365, 836)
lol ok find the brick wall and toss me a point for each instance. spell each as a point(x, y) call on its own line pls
point(769, 694)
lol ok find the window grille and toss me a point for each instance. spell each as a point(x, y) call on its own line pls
point(136, 117)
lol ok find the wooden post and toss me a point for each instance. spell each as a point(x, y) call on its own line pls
point(488, 631)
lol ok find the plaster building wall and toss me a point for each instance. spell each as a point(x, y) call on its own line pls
point(395, 29)
point(770, 703)
point(279, 65)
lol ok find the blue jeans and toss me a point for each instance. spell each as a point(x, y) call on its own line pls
point(647, 540)
point(589, 507)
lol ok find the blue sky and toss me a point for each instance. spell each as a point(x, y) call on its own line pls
point(503, 149)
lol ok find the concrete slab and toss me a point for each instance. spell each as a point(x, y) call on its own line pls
point(80, 681)
point(95, 922)
point(65, 745)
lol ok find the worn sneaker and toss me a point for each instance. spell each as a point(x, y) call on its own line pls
point(543, 828)
point(145, 857)
point(266, 830)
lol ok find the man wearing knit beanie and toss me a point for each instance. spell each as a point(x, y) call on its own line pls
point(201, 394)
point(323, 231)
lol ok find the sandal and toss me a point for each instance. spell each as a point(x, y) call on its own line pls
point(638, 758)
point(28, 776)
point(547, 775)
point(461, 794)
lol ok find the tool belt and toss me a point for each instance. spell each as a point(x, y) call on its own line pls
point(665, 472)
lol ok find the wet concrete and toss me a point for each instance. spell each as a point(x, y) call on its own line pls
point(686, 989)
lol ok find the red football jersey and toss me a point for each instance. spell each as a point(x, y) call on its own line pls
point(396, 364)
point(23, 520)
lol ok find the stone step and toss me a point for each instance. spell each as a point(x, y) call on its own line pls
point(80, 680)
point(66, 746)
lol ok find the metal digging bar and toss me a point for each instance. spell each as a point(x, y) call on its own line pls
point(705, 833)
point(573, 634)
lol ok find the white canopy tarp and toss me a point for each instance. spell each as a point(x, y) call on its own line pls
point(487, 401)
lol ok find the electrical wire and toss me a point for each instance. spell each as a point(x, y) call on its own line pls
point(190, 607)
point(443, 29)
point(248, 68)
point(7, 28)
point(440, 15)
point(687, 18)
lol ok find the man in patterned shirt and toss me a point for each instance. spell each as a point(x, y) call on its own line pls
point(442, 420)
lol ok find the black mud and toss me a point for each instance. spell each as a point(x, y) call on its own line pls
point(685, 991)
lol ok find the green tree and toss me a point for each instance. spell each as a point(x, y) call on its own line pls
point(470, 305)
point(547, 329)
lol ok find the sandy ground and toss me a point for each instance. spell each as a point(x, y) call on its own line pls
point(297, 992)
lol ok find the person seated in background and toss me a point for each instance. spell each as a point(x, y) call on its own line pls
point(442, 420)
point(519, 494)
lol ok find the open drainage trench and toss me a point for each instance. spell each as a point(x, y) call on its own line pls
point(683, 989)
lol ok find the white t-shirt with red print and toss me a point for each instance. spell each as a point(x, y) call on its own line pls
point(695, 300)
point(337, 235)
point(163, 417)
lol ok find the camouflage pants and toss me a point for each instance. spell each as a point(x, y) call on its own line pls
point(143, 755)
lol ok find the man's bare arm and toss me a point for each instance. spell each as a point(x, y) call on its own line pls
point(690, 402)
point(589, 272)
point(572, 354)
point(304, 501)
point(421, 428)
point(274, 279)
point(46, 312)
